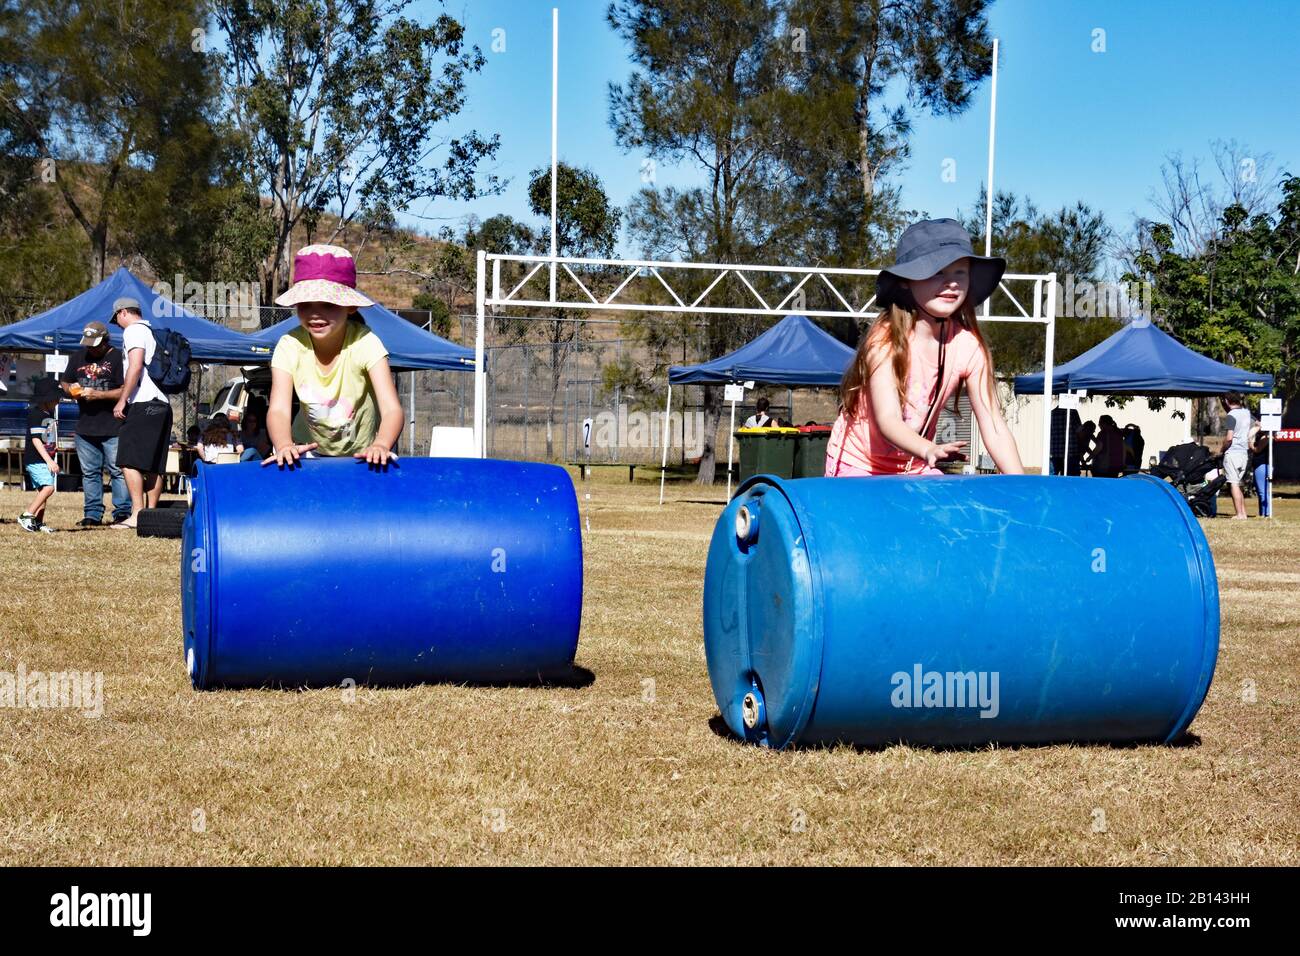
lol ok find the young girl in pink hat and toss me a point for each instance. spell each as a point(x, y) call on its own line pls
point(338, 369)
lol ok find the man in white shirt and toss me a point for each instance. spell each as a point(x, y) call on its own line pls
point(761, 419)
point(1236, 454)
point(146, 413)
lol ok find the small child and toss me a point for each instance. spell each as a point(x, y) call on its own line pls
point(218, 440)
point(922, 348)
point(338, 369)
point(38, 454)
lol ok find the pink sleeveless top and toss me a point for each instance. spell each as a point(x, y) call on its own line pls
point(859, 448)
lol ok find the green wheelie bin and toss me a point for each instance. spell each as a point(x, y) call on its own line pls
point(810, 451)
point(767, 451)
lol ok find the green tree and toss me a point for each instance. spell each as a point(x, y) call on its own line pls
point(42, 260)
point(586, 226)
point(338, 102)
point(1072, 241)
point(1237, 299)
point(859, 72)
point(705, 91)
point(117, 98)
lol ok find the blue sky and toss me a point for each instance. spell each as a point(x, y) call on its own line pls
point(1072, 123)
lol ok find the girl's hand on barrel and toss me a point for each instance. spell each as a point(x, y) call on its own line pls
point(288, 455)
point(375, 454)
point(949, 451)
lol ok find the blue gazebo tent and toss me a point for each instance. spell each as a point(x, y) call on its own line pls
point(794, 352)
point(59, 329)
point(1142, 359)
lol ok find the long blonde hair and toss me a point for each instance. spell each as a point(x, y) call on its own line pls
point(890, 331)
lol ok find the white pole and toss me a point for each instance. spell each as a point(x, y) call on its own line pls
point(1065, 457)
point(1049, 368)
point(1268, 474)
point(988, 242)
point(555, 112)
point(731, 440)
point(667, 439)
point(988, 199)
point(410, 410)
point(480, 372)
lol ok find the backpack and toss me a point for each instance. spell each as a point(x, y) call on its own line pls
point(170, 368)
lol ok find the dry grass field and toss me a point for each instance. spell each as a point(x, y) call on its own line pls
point(628, 769)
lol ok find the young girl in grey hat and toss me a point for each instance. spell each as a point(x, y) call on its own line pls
point(922, 348)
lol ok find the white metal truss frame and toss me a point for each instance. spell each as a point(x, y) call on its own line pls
point(1042, 310)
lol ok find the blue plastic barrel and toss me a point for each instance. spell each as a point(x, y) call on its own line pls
point(435, 570)
point(959, 610)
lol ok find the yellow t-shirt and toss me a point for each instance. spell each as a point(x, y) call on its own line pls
point(337, 410)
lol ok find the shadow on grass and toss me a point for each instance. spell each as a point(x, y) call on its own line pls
point(1186, 739)
point(571, 677)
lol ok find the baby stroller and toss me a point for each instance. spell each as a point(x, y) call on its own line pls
point(1196, 474)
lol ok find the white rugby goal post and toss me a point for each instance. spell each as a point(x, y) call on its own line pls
point(554, 282)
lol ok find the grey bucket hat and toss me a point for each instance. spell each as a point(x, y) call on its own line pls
point(925, 248)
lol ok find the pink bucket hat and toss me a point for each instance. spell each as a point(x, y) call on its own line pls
point(324, 274)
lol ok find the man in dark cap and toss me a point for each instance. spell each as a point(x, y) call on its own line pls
point(94, 379)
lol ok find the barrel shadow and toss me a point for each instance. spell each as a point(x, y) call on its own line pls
point(572, 678)
point(1186, 739)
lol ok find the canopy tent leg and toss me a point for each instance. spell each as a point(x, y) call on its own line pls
point(1065, 458)
point(667, 440)
point(410, 414)
point(731, 440)
point(1049, 370)
point(480, 373)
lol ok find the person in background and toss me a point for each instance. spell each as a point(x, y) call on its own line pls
point(1087, 435)
point(94, 378)
point(39, 460)
point(1236, 456)
point(1134, 443)
point(145, 413)
point(1259, 468)
point(1108, 452)
point(760, 418)
point(218, 440)
point(338, 369)
point(1060, 417)
point(257, 444)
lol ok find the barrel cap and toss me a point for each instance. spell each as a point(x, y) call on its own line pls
point(763, 642)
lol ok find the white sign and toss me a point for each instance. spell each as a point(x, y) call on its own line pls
point(586, 434)
point(734, 393)
point(1067, 401)
point(1270, 406)
point(56, 363)
point(1271, 423)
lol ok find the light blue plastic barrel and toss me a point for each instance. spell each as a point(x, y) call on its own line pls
point(435, 570)
point(959, 610)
